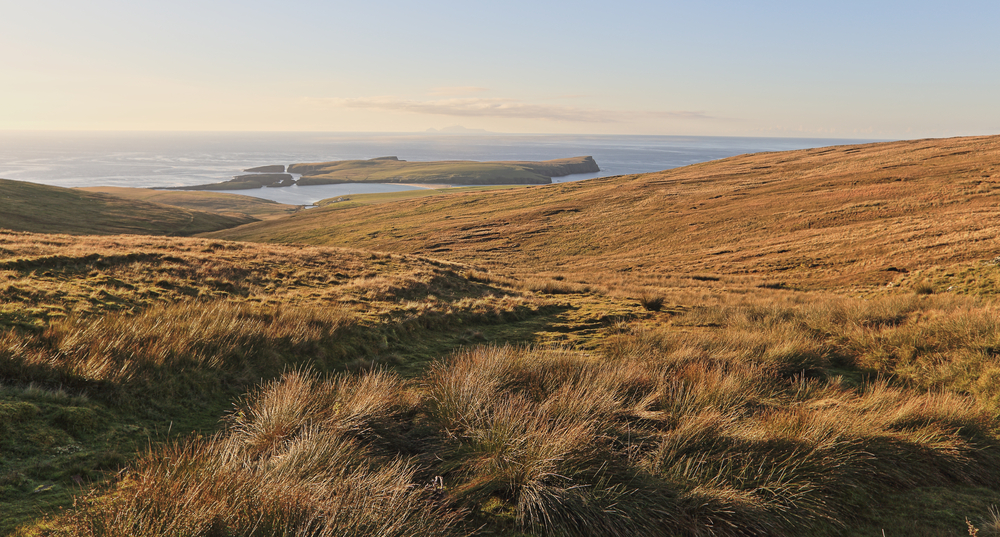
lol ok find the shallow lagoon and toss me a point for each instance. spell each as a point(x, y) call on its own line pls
point(307, 195)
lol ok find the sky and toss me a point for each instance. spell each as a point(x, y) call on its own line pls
point(847, 69)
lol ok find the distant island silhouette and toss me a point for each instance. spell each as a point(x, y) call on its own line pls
point(393, 170)
point(458, 129)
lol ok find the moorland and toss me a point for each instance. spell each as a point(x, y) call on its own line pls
point(788, 343)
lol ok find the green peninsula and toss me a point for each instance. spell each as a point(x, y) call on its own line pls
point(393, 170)
point(244, 182)
point(453, 172)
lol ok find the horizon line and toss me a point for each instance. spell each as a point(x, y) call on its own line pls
point(456, 134)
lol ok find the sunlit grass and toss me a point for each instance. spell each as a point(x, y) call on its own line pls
point(558, 442)
point(684, 353)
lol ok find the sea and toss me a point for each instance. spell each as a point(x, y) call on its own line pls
point(178, 159)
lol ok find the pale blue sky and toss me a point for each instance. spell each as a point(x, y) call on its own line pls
point(834, 69)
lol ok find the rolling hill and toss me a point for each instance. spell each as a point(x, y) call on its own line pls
point(233, 205)
point(835, 216)
point(49, 209)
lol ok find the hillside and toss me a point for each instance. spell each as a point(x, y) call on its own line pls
point(734, 409)
point(836, 216)
point(244, 182)
point(210, 202)
point(49, 209)
point(108, 343)
point(711, 350)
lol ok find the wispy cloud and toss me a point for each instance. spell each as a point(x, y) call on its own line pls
point(505, 108)
point(456, 90)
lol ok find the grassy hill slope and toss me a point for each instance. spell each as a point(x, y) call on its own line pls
point(109, 344)
point(49, 209)
point(831, 216)
point(734, 409)
point(210, 202)
point(633, 356)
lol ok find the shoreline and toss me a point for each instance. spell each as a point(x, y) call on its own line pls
point(428, 186)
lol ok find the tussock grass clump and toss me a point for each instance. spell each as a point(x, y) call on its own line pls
point(555, 286)
point(153, 350)
point(162, 333)
point(942, 342)
point(990, 525)
point(642, 441)
point(292, 463)
point(181, 316)
point(923, 288)
point(651, 302)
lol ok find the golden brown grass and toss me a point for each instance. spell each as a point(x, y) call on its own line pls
point(749, 404)
point(44, 277)
point(97, 313)
point(161, 350)
point(763, 414)
point(50, 209)
point(210, 202)
point(732, 413)
point(831, 217)
point(645, 440)
point(158, 334)
point(294, 463)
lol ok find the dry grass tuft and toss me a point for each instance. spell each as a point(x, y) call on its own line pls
point(281, 469)
point(661, 437)
point(651, 302)
point(179, 317)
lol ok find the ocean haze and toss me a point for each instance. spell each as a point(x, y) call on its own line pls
point(173, 159)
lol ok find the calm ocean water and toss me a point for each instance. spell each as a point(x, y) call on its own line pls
point(147, 160)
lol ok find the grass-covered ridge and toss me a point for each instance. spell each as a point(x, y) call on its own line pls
point(209, 202)
point(50, 209)
point(833, 216)
point(245, 182)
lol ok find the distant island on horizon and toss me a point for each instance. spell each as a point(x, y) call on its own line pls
point(458, 129)
point(393, 170)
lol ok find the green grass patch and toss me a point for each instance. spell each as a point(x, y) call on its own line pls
point(391, 170)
